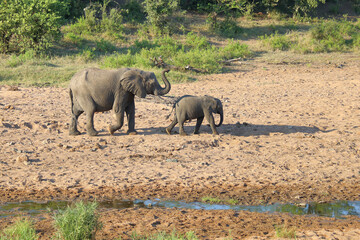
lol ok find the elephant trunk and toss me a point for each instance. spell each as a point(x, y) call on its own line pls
point(221, 119)
point(162, 91)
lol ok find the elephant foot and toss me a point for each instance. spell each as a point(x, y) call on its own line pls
point(111, 129)
point(196, 133)
point(132, 132)
point(168, 131)
point(74, 132)
point(215, 133)
point(92, 132)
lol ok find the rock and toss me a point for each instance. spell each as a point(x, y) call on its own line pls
point(171, 160)
point(23, 159)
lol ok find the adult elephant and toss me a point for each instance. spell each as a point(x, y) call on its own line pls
point(96, 90)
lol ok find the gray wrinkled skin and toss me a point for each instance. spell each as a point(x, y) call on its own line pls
point(96, 90)
point(194, 107)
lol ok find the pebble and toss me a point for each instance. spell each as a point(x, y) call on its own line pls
point(171, 160)
point(23, 159)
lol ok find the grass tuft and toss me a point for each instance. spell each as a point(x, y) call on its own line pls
point(77, 222)
point(22, 229)
point(282, 231)
point(165, 236)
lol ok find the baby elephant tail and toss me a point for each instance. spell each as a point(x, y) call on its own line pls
point(172, 109)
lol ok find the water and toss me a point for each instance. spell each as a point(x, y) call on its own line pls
point(336, 209)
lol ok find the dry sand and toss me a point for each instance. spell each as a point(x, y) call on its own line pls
point(290, 134)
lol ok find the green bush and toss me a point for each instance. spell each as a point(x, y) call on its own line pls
point(78, 222)
point(134, 12)
point(22, 229)
point(29, 24)
point(160, 12)
point(197, 54)
point(335, 35)
point(74, 39)
point(196, 41)
point(105, 46)
point(17, 60)
point(276, 41)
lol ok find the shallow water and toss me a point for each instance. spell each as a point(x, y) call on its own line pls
point(336, 209)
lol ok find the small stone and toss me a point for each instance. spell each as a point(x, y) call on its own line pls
point(171, 160)
point(23, 159)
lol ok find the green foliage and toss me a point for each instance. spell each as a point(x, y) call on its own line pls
point(22, 229)
point(134, 12)
point(285, 232)
point(78, 222)
point(230, 9)
point(29, 24)
point(98, 20)
point(335, 35)
point(160, 13)
point(74, 39)
point(105, 46)
point(210, 200)
point(164, 236)
point(17, 60)
point(87, 54)
point(196, 41)
point(276, 41)
point(196, 52)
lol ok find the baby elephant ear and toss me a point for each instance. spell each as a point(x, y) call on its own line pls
point(132, 82)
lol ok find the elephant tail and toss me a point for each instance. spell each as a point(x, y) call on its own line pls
point(72, 100)
point(172, 109)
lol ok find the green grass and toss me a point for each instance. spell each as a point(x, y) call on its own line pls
point(77, 222)
point(165, 236)
point(83, 45)
point(22, 229)
point(211, 199)
point(282, 231)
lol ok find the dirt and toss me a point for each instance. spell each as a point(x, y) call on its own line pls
point(290, 134)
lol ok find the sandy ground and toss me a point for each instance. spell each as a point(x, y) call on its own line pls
point(290, 134)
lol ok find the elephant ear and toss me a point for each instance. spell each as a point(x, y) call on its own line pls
point(133, 82)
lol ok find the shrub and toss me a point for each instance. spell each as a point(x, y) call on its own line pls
point(202, 55)
point(21, 230)
point(78, 222)
point(276, 41)
point(29, 24)
point(133, 12)
point(234, 50)
point(335, 35)
point(196, 41)
point(73, 39)
point(17, 60)
point(159, 12)
point(105, 46)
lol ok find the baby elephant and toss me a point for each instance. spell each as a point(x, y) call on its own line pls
point(190, 107)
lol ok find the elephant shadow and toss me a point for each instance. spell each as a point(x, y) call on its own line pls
point(247, 130)
point(244, 130)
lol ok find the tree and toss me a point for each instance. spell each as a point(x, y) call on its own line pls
point(29, 24)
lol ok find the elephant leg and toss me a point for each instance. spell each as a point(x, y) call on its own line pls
point(198, 124)
point(210, 119)
point(130, 114)
point(75, 113)
point(172, 125)
point(90, 123)
point(119, 122)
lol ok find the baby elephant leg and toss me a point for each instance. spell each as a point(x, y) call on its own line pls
point(198, 124)
point(172, 125)
point(210, 119)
